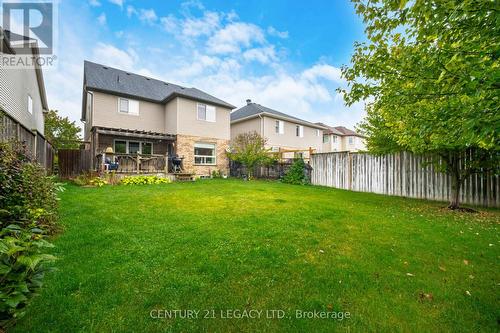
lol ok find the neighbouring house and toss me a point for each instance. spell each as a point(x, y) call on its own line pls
point(145, 122)
point(340, 138)
point(282, 131)
point(23, 100)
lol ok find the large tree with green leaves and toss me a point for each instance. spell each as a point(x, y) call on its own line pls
point(61, 132)
point(430, 75)
point(249, 150)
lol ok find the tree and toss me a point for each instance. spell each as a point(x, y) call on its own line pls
point(249, 150)
point(430, 74)
point(61, 132)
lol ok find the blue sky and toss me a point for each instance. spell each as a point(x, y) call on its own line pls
point(282, 54)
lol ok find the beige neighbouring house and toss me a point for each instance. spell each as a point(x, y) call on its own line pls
point(137, 116)
point(340, 138)
point(282, 131)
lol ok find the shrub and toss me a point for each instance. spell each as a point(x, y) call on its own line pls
point(27, 196)
point(144, 180)
point(23, 264)
point(296, 174)
point(28, 212)
point(85, 178)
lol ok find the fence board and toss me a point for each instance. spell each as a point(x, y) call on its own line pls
point(72, 162)
point(401, 174)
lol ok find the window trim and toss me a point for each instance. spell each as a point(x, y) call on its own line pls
point(30, 103)
point(130, 102)
point(204, 156)
point(206, 112)
point(127, 150)
point(279, 127)
point(300, 129)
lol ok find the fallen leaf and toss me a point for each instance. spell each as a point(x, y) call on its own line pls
point(442, 268)
point(409, 274)
point(425, 296)
point(471, 276)
point(321, 251)
point(466, 262)
point(468, 293)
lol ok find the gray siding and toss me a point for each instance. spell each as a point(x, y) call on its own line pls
point(15, 85)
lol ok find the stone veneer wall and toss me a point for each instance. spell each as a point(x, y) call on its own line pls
point(185, 148)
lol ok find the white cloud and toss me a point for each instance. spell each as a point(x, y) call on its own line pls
point(117, 2)
point(115, 57)
point(94, 3)
point(273, 32)
point(101, 19)
point(263, 55)
point(131, 11)
point(170, 23)
point(323, 71)
point(235, 36)
point(147, 15)
point(193, 27)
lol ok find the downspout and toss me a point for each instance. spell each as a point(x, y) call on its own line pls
point(261, 125)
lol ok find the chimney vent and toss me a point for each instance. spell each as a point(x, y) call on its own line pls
point(249, 101)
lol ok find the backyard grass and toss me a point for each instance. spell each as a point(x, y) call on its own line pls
point(394, 264)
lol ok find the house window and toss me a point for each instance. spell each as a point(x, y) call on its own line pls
point(351, 140)
point(128, 106)
point(204, 153)
point(334, 139)
point(120, 147)
point(299, 131)
point(206, 112)
point(318, 132)
point(146, 148)
point(326, 138)
point(279, 127)
point(133, 147)
point(30, 104)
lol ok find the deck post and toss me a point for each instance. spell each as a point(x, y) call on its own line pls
point(138, 163)
point(166, 163)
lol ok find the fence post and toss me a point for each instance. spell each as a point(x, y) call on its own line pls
point(138, 163)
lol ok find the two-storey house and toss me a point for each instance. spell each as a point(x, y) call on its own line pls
point(281, 131)
point(130, 116)
point(340, 138)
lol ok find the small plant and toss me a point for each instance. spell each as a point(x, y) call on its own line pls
point(144, 180)
point(217, 174)
point(85, 178)
point(98, 182)
point(296, 174)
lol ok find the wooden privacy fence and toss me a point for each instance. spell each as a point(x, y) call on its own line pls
point(401, 174)
point(40, 149)
point(72, 162)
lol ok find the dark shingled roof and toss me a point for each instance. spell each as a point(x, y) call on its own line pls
point(107, 79)
point(340, 130)
point(254, 109)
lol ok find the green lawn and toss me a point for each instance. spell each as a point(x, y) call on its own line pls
point(234, 245)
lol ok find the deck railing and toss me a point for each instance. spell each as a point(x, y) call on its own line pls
point(134, 163)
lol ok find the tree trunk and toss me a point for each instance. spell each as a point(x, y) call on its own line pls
point(456, 181)
point(456, 185)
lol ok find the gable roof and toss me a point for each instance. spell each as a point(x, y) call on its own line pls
point(340, 130)
point(8, 37)
point(252, 110)
point(107, 79)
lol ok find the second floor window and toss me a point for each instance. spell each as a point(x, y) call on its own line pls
point(299, 131)
point(326, 138)
point(206, 112)
point(128, 106)
point(351, 140)
point(334, 139)
point(30, 104)
point(280, 127)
